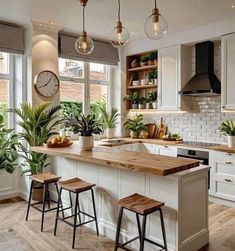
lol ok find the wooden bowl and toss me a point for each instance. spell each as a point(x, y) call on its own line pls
point(50, 145)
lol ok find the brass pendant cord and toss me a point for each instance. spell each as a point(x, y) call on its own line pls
point(155, 1)
point(83, 18)
point(119, 11)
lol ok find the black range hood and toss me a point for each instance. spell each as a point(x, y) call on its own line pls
point(204, 82)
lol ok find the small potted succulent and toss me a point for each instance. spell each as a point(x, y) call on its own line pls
point(142, 102)
point(152, 96)
point(134, 99)
point(228, 128)
point(144, 61)
point(109, 121)
point(86, 126)
point(135, 63)
point(135, 125)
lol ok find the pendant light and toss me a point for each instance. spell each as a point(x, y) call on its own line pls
point(155, 25)
point(84, 44)
point(119, 35)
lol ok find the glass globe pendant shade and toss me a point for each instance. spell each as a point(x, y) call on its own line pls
point(84, 44)
point(119, 36)
point(155, 25)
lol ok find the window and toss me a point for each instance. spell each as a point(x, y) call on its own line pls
point(5, 86)
point(84, 86)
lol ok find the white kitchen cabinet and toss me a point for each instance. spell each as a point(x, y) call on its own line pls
point(222, 175)
point(228, 72)
point(174, 70)
point(167, 151)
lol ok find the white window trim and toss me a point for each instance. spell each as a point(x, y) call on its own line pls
point(86, 82)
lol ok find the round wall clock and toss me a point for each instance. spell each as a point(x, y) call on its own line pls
point(47, 83)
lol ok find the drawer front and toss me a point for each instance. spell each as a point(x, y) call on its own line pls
point(168, 151)
point(223, 157)
point(225, 168)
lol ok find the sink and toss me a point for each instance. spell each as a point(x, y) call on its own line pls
point(113, 141)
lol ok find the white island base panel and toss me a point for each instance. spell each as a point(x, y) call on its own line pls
point(185, 195)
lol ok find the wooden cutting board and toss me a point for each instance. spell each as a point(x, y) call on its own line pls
point(161, 130)
point(151, 127)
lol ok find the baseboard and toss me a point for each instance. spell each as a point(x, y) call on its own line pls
point(221, 201)
point(9, 195)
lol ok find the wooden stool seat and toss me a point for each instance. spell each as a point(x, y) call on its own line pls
point(45, 178)
point(140, 204)
point(75, 185)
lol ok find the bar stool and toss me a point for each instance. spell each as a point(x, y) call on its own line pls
point(44, 179)
point(76, 186)
point(140, 205)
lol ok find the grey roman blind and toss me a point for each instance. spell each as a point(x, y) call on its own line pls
point(11, 38)
point(104, 52)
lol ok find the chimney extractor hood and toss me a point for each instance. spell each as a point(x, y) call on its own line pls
point(204, 82)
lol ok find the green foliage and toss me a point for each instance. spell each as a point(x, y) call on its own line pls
point(38, 124)
point(133, 97)
point(152, 55)
point(70, 109)
point(144, 59)
point(153, 74)
point(8, 148)
point(3, 111)
point(152, 96)
point(96, 106)
point(85, 125)
point(136, 124)
point(227, 128)
point(109, 120)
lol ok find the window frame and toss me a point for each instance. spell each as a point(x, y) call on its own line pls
point(87, 81)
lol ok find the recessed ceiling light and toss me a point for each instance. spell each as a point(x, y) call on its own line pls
point(51, 22)
point(233, 6)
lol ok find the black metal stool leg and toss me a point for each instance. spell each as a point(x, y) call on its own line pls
point(29, 201)
point(45, 187)
point(59, 195)
point(79, 210)
point(93, 202)
point(163, 229)
point(138, 224)
point(58, 209)
point(71, 202)
point(142, 236)
point(75, 220)
point(48, 198)
point(119, 223)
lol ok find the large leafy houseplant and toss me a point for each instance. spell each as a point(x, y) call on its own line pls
point(39, 124)
point(109, 120)
point(227, 128)
point(8, 148)
point(135, 125)
point(86, 126)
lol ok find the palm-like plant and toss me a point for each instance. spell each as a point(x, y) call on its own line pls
point(85, 125)
point(8, 148)
point(38, 124)
point(227, 128)
point(136, 124)
point(109, 120)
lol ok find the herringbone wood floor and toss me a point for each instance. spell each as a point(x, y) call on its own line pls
point(18, 235)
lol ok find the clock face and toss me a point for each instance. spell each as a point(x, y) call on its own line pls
point(47, 83)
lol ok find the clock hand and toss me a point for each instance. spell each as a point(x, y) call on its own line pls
point(47, 82)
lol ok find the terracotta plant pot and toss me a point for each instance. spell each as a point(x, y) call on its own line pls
point(110, 133)
point(37, 194)
point(134, 135)
point(86, 143)
point(134, 64)
point(231, 141)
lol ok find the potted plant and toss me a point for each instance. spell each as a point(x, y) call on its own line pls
point(148, 103)
point(153, 99)
point(155, 76)
point(86, 126)
point(39, 123)
point(141, 104)
point(135, 63)
point(155, 58)
point(151, 58)
point(109, 121)
point(144, 61)
point(8, 148)
point(228, 128)
point(135, 125)
point(151, 76)
point(134, 99)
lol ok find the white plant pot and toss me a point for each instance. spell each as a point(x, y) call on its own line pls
point(154, 105)
point(86, 143)
point(231, 141)
point(110, 133)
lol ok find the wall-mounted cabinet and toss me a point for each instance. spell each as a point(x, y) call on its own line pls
point(174, 70)
point(228, 72)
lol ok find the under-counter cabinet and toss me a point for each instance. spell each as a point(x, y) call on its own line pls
point(222, 174)
point(174, 70)
point(228, 72)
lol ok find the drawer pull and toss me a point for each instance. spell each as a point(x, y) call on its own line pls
point(228, 162)
point(228, 180)
point(166, 146)
point(229, 154)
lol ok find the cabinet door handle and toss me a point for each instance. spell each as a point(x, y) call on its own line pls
point(228, 162)
point(228, 180)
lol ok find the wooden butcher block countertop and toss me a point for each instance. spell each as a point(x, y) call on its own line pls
point(135, 161)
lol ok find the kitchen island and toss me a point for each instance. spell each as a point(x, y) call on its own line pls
point(181, 183)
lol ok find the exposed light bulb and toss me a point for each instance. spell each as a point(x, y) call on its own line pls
point(156, 26)
point(84, 44)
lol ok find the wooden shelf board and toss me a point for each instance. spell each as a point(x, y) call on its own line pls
point(142, 86)
point(144, 68)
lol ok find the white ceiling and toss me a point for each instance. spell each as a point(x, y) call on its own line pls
point(101, 14)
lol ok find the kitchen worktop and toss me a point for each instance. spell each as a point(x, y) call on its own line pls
point(159, 165)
